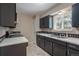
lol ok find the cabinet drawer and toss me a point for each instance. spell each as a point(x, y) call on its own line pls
point(59, 42)
point(72, 52)
point(73, 46)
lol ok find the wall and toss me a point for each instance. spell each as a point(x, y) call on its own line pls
point(56, 8)
point(3, 30)
point(26, 26)
point(36, 23)
point(53, 10)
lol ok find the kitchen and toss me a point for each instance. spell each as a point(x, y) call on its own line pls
point(39, 29)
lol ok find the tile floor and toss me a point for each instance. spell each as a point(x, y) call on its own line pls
point(34, 50)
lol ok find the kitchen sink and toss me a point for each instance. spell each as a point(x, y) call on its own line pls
point(52, 35)
point(61, 37)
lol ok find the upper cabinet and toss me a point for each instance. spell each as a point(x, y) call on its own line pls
point(75, 15)
point(46, 22)
point(8, 14)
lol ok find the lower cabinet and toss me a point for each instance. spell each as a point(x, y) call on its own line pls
point(44, 43)
point(72, 50)
point(59, 50)
point(14, 50)
point(56, 47)
point(40, 41)
point(52, 46)
point(48, 46)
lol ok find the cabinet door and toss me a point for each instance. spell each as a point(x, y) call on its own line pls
point(8, 14)
point(14, 50)
point(42, 23)
point(46, 22)
point(59, 50)
point(40, 41)
point(75, 15)
point(72, 52)
point(48, 46)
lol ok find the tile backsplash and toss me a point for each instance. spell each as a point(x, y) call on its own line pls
point(73, 31)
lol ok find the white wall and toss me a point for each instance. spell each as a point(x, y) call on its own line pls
point(36, 23)
point(3, 30)
point(26, 26)
point(57, 8)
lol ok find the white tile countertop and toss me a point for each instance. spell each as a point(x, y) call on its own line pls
point(67, 39)
point(13, 41)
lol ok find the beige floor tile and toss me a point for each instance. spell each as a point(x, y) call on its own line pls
point(34, 50)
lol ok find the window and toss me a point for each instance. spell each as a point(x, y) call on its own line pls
point(62, 19)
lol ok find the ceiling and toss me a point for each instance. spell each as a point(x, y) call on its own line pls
point(33, 8)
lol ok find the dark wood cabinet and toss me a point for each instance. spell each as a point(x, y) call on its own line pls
point(58, 49)
point(14, 50)
point(44, 43)
point(75, 15)
point(72, 50)
point(52, 46)
point(8, 14)
point(46, 22)
point(40, 41)
point(48, 46)
point(41, 23)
